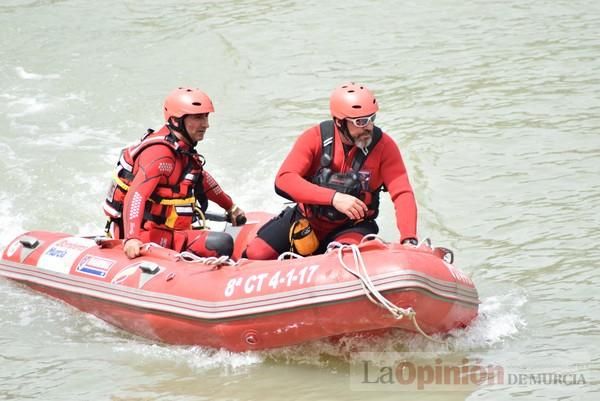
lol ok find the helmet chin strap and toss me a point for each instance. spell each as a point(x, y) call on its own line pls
point(343, 128)
point(182, 130)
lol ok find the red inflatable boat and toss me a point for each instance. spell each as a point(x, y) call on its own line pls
point(252, 304)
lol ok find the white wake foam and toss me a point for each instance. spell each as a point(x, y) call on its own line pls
point(11, 222)
point(21, 73)
point(194, 358)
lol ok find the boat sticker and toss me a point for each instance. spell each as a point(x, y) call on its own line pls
point(256, 283)
point(13, 248)
point(60, 255)
point(95, 266)
point(124, 274)
point(139, 273)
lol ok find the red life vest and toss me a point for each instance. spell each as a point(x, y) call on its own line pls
point(169, 206)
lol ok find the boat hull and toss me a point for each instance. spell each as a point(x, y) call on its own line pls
point(253, 305)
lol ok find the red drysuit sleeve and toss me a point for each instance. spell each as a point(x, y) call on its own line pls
point(302, 162)
point(214, 192)
point(395, 178)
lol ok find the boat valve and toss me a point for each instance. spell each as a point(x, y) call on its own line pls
point(251, 337)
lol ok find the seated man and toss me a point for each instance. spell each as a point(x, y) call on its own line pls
point(158, 182)
point(335, 172)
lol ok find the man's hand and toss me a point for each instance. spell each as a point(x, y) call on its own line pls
point(352, 207)
point(132, 248)
point(237, 217)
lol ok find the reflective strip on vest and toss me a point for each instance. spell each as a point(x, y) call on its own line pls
point(124, 163)
point(185, 210)
point(111, 211)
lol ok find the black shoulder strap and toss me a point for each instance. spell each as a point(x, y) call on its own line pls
point(327, 142)
point(361, 155)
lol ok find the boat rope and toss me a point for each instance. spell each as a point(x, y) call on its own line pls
point(370, 237)
point(293, 255)
point(207, 260)
point(193, 258)
point(371, 290)
point(290, 255)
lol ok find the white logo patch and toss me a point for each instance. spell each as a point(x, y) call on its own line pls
point(61, 254)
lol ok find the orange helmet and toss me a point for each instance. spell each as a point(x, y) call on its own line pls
point(352, 100)
point(183, 101)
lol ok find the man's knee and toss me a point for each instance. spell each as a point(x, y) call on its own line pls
point(212, 243)
point(221, 243)
point(272, 238)
point(259, 249)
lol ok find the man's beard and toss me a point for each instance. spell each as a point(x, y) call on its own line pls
point(363, 142)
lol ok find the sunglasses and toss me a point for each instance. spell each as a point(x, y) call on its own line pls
point(362, 122)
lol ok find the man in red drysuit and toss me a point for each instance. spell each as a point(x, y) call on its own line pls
point(160, 181)
point(335, 172)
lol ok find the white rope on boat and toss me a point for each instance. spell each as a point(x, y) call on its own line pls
point(208, 260)
point(291, 255)
point(370, 237)
point(370, 289)
point(193, 258)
